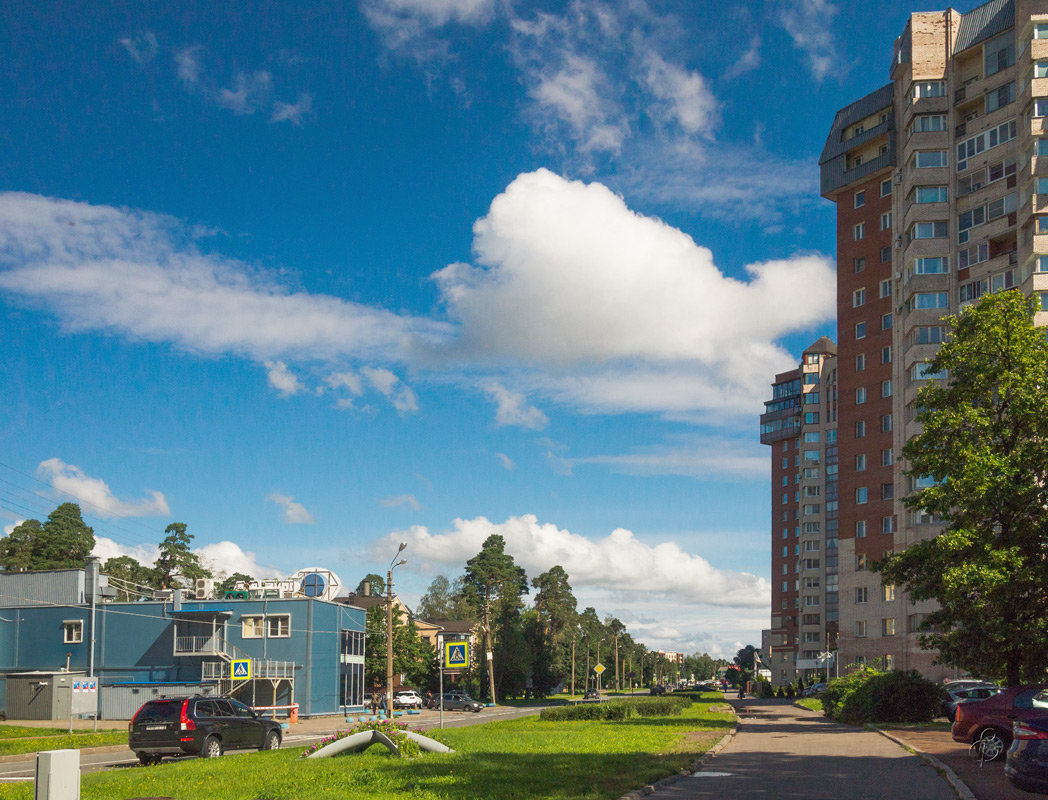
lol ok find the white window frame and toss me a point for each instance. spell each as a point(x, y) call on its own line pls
point(72, 631)
point(252, 626)
point(282, 624)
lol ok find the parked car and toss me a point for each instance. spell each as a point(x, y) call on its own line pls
point(658, 689)
point(964, 693)
point(407, 699)
point(1027, 762)
point(199, 726)
point(591, 694)
point(990, 720)
point(456, 701)
point(815, 690)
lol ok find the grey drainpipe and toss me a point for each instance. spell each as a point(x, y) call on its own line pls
point(309, 657)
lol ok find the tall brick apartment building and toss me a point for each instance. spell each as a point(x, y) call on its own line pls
point(940, 180)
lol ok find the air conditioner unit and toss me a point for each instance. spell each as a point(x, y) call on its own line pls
point(162, 594)
point(205, 589)
point(897, 177)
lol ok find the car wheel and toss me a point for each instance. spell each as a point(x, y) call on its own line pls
point(146, 759)
point(990, 744)
point(212, 748)
point(272, 741)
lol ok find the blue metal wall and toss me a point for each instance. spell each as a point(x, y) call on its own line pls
point(135, 642)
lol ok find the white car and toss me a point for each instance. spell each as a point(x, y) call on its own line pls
point(408, 699)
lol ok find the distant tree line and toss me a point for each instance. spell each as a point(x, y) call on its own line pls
point(535, 647)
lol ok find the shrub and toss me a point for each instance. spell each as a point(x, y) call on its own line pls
point(618, 709)
point(869, 695)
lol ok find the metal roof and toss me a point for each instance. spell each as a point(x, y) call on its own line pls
point(984, 22)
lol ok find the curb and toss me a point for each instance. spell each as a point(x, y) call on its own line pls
point(952, 778)
point(696, 766)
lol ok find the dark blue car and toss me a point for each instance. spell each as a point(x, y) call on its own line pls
point(1027, 762)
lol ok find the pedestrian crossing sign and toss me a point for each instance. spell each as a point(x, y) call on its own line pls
point(241, 669)
point(456, 655)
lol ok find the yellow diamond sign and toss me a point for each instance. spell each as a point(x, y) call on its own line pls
point(599, 669)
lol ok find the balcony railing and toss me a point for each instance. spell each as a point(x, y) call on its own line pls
point(198, 646)
point(260, 668)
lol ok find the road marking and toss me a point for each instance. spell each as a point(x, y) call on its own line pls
point(711, 775)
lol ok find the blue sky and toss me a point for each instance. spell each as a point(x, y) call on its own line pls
point(317, 280)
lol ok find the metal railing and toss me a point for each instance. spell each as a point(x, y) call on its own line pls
point(198, 645)
point(260, 668)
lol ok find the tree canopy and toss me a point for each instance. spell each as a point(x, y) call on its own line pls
point(980, 466)
point(176, 559)
point(64, 541)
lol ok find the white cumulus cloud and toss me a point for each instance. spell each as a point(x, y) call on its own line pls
point(619, 563)
point(282, 379)
point(96, 494)
point(293, 512)
point(568, 275)
point(389, 385)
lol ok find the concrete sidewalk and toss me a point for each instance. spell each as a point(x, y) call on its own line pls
point(789, 753)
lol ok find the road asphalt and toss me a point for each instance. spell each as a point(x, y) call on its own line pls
point(785, 752)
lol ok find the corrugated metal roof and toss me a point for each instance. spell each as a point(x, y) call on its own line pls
point(850, 114)
point(983, 22)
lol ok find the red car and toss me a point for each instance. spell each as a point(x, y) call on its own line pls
point(990, 720)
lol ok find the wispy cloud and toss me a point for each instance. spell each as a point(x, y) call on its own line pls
point(505, 461)
point(142, 46)
point(388, 384)
point(402, 500)
point(810, 25)
point(73, 482)
point(293, 512)
point(512, 408)
point(295, 112)
point(282, 379)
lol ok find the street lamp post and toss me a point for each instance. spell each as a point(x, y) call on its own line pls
point(389, 629)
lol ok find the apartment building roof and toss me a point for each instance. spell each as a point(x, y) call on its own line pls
point(984, 22)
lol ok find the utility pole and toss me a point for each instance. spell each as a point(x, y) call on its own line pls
point(487, 652)
point(573, 663)
point(389, 630)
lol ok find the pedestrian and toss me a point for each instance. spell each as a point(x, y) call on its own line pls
point(742, 690)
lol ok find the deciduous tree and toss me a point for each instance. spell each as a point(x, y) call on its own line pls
point(980, 465)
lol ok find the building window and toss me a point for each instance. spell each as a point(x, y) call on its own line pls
point(889, 662)
point(860, 429)
point(928, 123)
point(929, 265)
point(278, 626)
point(887, 458)
point(887, 491)
point(860, 362)
point(860, 462)
point(886, 220)
point(860, 330)
point(884, 288)
point(858, 298)
point(926, 159)
point(888, 524)
point(886, 423)
point(886, 321)
point(886, 388)
point(924, 300)
point(859, 264)
point(888, 593)
point(862, 595)
point(860, 199)
point(928, 230)
point(929, 89)
point(251, 627)
point(928, 334)
point(860, 495)
point(860, 529)
point(888, 626)
point(886, 254)
point(859, 231)
point(886, 354)
point(930, 194)
point(860, 565)
point(886, 187)
point(72, 631)
point(860, 629)
point(999, 53)
point(860, 395)
point(811, 418)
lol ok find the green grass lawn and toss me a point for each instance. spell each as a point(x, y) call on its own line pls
point(16, 739)
point(813, 703)
point(516, 759)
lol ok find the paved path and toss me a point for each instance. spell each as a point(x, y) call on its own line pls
point(783, 752)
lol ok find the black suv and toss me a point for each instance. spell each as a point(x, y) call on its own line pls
point(198, 726)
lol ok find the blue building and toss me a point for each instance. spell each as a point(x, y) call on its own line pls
point(285, 651)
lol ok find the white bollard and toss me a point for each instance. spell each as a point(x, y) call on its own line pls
point(57, 775)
